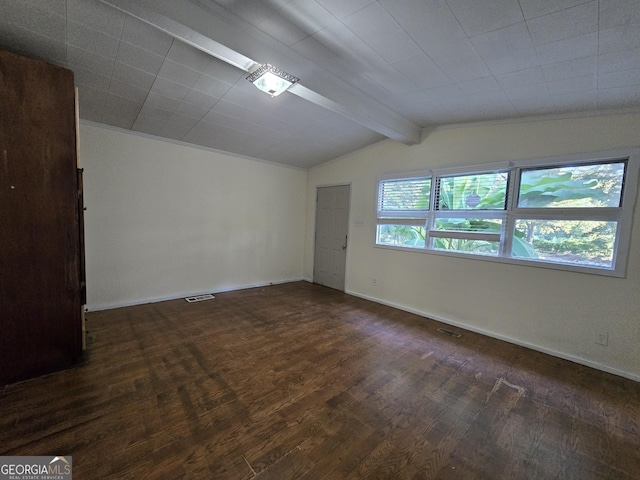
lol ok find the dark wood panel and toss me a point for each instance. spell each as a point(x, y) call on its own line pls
point(39, 269)
point(299, 381)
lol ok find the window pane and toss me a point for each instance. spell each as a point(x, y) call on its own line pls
point(585, 186)
point(487, 191)
point(467, 227)
point(476, 225)
point(401, 235)
point(479, 247)
point(399, 195)
point(579, 242)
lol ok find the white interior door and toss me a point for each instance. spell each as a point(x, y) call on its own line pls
point(332, 224)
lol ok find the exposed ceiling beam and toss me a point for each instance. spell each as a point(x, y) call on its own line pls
point(371, 123)
point(198, 26)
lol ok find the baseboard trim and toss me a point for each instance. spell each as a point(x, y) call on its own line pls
point(538, 348)
point(176, 296)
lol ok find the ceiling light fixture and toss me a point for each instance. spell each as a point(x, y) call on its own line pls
point(271, 80)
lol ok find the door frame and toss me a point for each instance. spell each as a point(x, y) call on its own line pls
point(315, 226)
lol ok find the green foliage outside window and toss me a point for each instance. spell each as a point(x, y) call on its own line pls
point(568, 187)
point(585, 186)
point(486, 191)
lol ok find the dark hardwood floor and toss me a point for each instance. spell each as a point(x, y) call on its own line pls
point(298, 381)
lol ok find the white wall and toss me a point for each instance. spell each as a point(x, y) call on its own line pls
point(165, 220)
point(550, 310)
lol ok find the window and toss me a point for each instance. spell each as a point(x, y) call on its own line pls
point(403, 206)
point(570, 213)
point(589, 199)
point(469, 212)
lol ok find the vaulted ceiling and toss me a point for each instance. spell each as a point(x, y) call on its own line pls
point(368, 69)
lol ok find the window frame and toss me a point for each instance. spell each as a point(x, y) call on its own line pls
point(432, 233)
point(414, 218)
point(623, 214)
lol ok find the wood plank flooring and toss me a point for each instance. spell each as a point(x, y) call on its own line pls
point(298, 381)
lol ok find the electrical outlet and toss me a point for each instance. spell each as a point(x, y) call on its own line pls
point(375, 282)
point(602, 338)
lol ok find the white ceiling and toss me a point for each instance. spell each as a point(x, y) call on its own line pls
point(372, 69)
